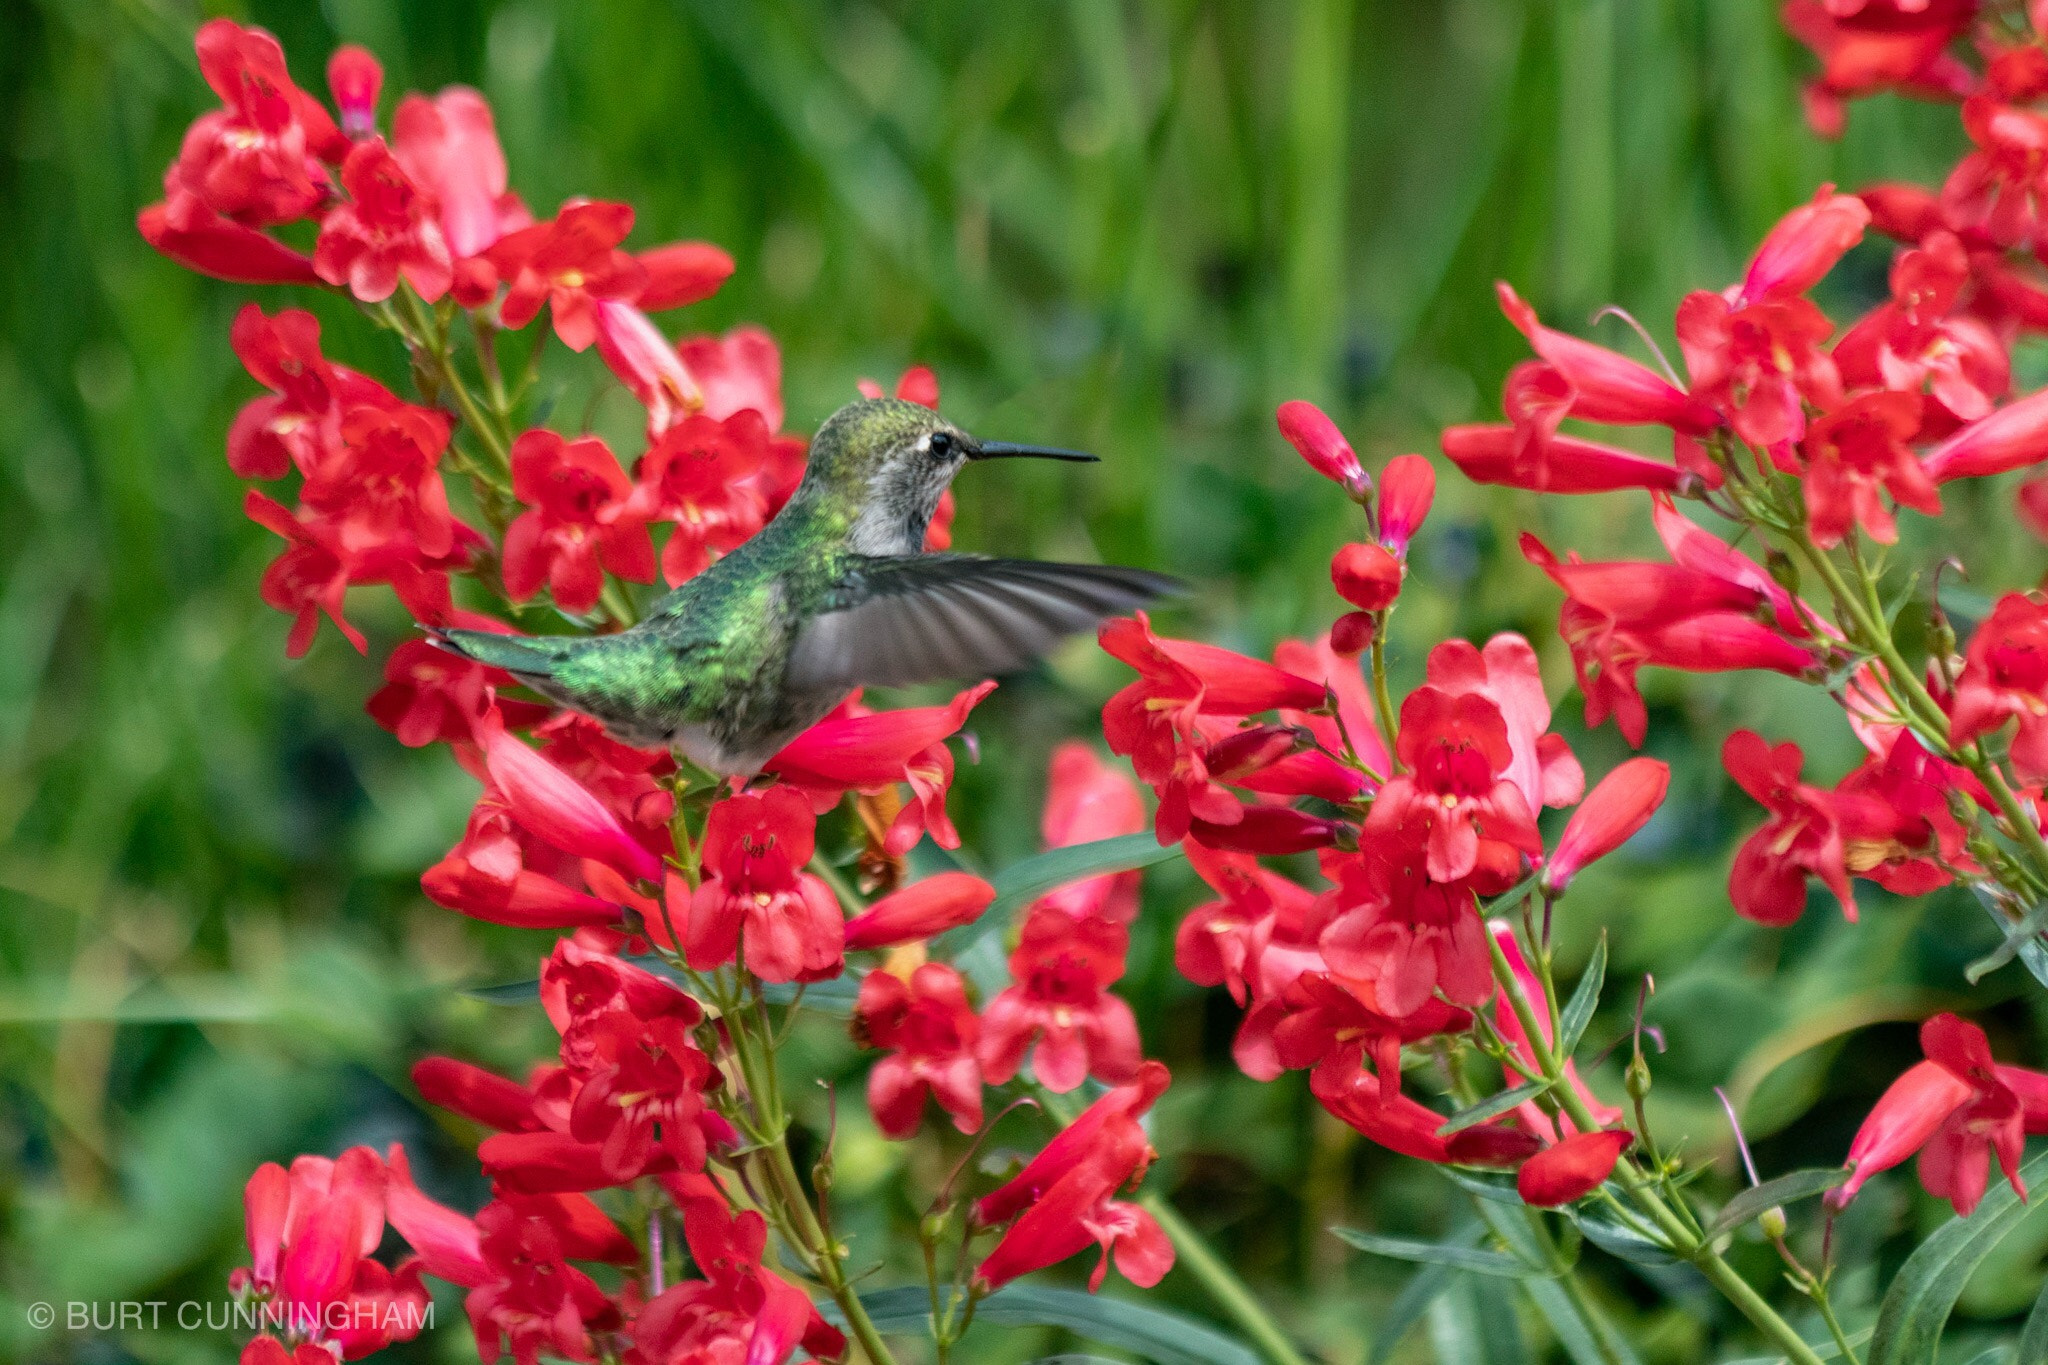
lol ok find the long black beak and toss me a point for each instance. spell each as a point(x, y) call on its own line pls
point(1006, 450)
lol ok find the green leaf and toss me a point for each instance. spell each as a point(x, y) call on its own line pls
point(2034, 1336)
point(1436, 1253)
point(2022, 940)
point(1579, 1325)
point(1021, 883)
point(1786, 1189)
point(1491, 1108)
point(1578, 1011)
point(1616, 1240)
point(1510, 898)
point(1494, 1186)
point(1412, 1303)
point(1159, 1335)
point(1917, 1306)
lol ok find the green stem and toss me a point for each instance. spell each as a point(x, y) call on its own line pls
point(1229, 1292)
point(1382, 698)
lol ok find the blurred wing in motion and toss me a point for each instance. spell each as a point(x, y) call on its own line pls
point(898, 620)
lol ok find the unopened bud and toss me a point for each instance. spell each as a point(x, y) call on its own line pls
point(1784, 572)
point(932, 1228)
point(1772, 1221)
point(1351, 634)
point(1637, 1078)
point(1367, 576)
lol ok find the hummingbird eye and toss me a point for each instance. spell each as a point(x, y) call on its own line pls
point(939, 445)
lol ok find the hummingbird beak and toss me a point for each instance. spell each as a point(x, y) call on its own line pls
point(1007, 450)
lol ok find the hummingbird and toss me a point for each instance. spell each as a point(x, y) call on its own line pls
point(836, 592)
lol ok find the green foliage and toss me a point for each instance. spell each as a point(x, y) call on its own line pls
point(1130, 228)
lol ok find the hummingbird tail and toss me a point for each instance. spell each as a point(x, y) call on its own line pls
point(524, 657)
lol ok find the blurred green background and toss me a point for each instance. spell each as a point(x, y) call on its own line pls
point(1132, 228)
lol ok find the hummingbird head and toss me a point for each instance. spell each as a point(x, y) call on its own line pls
point(886, 462)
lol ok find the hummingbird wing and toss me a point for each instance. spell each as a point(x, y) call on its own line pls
point(895, 620)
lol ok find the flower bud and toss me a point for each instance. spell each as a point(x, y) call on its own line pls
point(1407, 487)
point(1351, 634)
point(355, 77)
point(1260, 746)
point(1312, 433)
point(1637, 1078)
point(1367, 576)
point(1772, 1221)
point(1572, 1169)
point(921, 910)
point(1622, 804)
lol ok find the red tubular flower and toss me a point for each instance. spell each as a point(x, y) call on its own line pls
point(298, 424)
point(1561, 464)
point(1955, 1109)
point(924, 909)
point(384, 492)
point(1378, 1109)
point(1061, 1200)
point(1760, 363)
point(355, 78)
point(1610, 815)
point(867, 753)
point(1852, 453)
point(1407, 487)
point(1253, 941)
point(754, 851)
point(1085, 800)
point(1803, 836)
point(487, 877)
point(448, 146)
point(513, 1257)
point(681, 273)
point(431, 696)
point(309, 579)
point(186, 231)
point(704, 475)
point(1997, 190)
point(1367, 576)
point(383, 232)
point(642, 1098)
point(1408, 936)
point(1456, 792)
point(479, 1095)
point(1506, 673)
point(2004, 677)
point(1319, 442)
point(1573, 1169)
point(1061, 1004)
point(635, 350)
point(2010, 438)
point(735, 372)
point(576, 529)
point(568, 264)
point(1606, 386)
point(1324, 661)
point(1865, 48)
point(256, 160)
point(557, 808)
point(1803, 246)
point(740, 1311)
point(1897, 828)
point(1319, 1021)
point(1270, 831)
point(931, 1033)
point(1912, 343)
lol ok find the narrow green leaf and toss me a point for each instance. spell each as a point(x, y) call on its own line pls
point(1510, 898)
point(1786, 1189)
point(835, 997)
point(1916, 1307)
point(1436, 1253)
point(1492, 1108)
point(2019, 940)
point(1616, 1240)
point(1500, 1329)
point(1159, 1335)
point(1578, 1011)
point(1411, 1305)
point(1579, 1325)
point(1494, 1186)
point(1021, 883)
point(2034, 1336)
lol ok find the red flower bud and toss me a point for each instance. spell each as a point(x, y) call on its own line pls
point(1351, 634)
point(355, 77)
point(1367, 576)
point(556, 807)
point(1323, 446)
point(1622, 804)
point(1407, 487)
point(921, 910)
point(1572, 1169)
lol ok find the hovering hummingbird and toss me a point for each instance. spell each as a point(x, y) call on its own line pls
point(835, 593)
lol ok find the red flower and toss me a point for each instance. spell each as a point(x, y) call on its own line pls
point(1407, 487)
point(1911, 343)
point(355, 78)
point(479, 1095)
point(2005, 676)
point(310, 578)
point(1367, 576)
point(1865, 48)
point(569, 264)
point(754, 851)
point(2014, 436)
point(383, 492)
point(1253, 941)
point(1997, 189)
point(1803, 246)
point(739, 1312)
point(1803, 836)
point(1759, 363)
point(431, 696)
point(1604, 385)
point(735, 372)
point(1505, 672)
point(558, 808)
point(448, 146)
point(1379, 1110)
point(642, 1098)
point(1852, 453)
point(1321, 1021)
point(1573, 1169)
point(682, 273)
point(1319, 442)
point(1560, 464)
point(1061, 1003)
point(576, 530)
point(1897, 828)
point(1409, 937)
point(298, 425)
point(931, 1033)
point(256, 160)
point(1061, 1199)
point(703, 475)
point(924, 909)
point(1456, 792)
point(634, 349)
point(385, 231)
point(1086, 799)
point(183, 229)
point(1955, 1109)
point(488, 876)
point(869, 752)
point(1610, 815)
